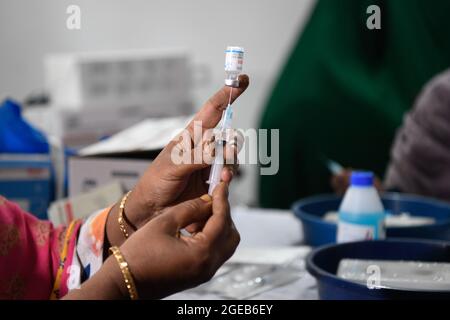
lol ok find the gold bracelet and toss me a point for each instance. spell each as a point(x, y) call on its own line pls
point(120, 219)
point(128, 278)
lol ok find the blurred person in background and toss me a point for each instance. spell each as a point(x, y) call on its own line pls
point(420, 154)
point(345, 88)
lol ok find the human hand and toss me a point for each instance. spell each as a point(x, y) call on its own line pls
point(166, 183)
point(160, 260)
point(163, 262)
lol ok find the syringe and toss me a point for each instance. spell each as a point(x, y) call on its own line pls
point(234, 58)
point(221, 137)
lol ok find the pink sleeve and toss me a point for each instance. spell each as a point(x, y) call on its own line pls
point(34, 256)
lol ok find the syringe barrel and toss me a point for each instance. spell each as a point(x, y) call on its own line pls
point(216, 168)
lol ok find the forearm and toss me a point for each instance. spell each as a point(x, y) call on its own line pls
point(106, 284)
point(103, 283)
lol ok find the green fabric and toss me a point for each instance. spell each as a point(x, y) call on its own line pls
point(345, 88)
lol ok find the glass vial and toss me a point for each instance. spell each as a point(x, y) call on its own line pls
point(234, 58)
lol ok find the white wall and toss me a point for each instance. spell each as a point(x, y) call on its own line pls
point(266, 28)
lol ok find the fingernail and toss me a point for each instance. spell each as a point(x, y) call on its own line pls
point(206, 198)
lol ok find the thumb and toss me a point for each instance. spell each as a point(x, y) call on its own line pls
point(188, 212)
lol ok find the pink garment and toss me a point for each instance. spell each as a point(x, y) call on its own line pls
point(35, 257)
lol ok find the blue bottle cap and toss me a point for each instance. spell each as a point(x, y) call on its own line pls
point(362, 179)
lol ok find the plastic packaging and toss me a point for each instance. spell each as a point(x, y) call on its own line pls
point(404, 219)
point(242, 281)
point(361, 214)
point(400, 275)
point(17, 135)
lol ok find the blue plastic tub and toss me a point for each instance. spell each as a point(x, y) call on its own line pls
point(323, 262)
point(317, 231)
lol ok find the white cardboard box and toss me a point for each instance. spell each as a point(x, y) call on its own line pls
point(27, 180)
point(86, 173)
point(81, 206)
point(84, 127)
point(157, 81)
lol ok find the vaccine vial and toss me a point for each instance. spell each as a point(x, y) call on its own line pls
point(234, 58)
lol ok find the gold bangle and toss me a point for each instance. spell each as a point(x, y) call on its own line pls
point(120, 219)
point(128, 278)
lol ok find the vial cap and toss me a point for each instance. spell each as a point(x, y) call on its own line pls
point(362, 179)
point(232, 83)
point(234, 49)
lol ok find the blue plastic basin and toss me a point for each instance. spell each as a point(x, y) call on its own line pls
point(323, 263)
point(317, 232)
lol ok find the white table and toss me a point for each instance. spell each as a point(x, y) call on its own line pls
point(263, 230)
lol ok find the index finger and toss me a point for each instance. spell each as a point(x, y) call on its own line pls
point(211, 112)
